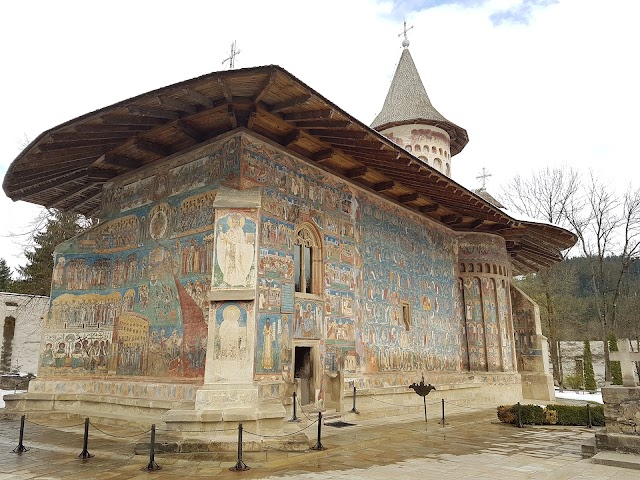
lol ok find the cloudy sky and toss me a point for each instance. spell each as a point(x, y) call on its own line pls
point(534, 82)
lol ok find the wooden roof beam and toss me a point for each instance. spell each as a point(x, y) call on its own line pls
point(188, 131)
point(325, 154)
point(475, 224)
point(58, 182)
point(122, 161)
point(322, 123)
point(291, 138)
point(71, 145)
point(451, 220)
point(153, 112)
point(152, 147)
point(383, 186)
point(409, 197)
point(347, 142)
point(131, 120)
point(308, 115)
point(429, 208)
point(251, 118)
point(177, 104)
point(225, 89)
point(292, 102)
point(353, 134)
point(266, 86)
point(233, 120)
point(99, 175)
point(77, 191)
point(356, 172)
point(79, 136)
point(113, 128)
point(198, 97)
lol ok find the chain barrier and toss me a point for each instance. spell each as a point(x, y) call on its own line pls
point(55, 426)
point(396, 404)
point(119, 436)
point(283, 435)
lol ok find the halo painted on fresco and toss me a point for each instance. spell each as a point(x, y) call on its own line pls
point(158, 225)
point(238, 219)
point(231, 313)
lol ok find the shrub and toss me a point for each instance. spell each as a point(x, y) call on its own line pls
point(551, 415)
point(574, 381)
point(589, 377)
point(616, 370)
point(577, 414)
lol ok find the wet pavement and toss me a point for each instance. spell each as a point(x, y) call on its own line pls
point(473, 444)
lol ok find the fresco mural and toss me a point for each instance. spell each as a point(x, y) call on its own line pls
point(475, 326)
point(235, 249)
point(129, 297)
point(231, 331)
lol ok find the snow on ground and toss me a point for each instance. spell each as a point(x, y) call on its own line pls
point(579, 395)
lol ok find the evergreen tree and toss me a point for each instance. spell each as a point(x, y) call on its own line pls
point(5, 276)
point(589, 376)
point(35, 276)
point(616, 370)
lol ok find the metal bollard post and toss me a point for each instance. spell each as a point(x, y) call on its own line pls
point(519, 416)
point(21, 448)
point(442, 421)
point(152, 466)
point(318, 445)
point(294, 418)
point(354, 409)
point(85, 453)
point(240, 466)
point(589, 424)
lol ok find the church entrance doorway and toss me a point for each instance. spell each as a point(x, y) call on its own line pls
point(304, 373)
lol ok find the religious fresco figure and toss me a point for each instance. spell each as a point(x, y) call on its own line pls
point(268, 337)
point(234, 252)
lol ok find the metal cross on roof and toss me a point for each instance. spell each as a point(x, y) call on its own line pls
point(232, 57)
point(483, 177)
point(405, 42)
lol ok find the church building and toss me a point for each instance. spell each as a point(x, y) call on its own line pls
point(254, 239)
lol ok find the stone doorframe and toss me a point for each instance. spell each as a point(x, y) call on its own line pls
point(316, 370)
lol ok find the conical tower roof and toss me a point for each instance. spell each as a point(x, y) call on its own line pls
point(408, 103)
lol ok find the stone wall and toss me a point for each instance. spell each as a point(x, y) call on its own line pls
point(20, 331)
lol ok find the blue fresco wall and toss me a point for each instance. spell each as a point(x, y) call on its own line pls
point(375, 257)
point(129, 297)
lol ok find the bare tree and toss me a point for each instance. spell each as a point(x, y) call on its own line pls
point(546, 195)
point(608, 228)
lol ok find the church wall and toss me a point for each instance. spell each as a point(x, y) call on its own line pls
point(129, 297)
point(377, 257)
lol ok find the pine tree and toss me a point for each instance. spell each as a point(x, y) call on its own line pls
point(616, 370)
point(589, 376)
point(35, 276)
point(5, 276)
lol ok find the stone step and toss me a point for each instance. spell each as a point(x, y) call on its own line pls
point(615, 459)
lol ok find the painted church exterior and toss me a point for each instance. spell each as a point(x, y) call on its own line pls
point(245, 266)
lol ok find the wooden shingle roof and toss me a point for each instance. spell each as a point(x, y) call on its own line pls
point(66, 166)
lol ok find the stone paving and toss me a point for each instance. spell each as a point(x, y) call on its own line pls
point(473, 445)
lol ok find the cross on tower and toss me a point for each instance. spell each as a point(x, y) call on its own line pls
point(627, 360)
point(405, 42)
point(231, 57)
point(483, 177)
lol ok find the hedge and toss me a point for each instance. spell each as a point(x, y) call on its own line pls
point(551, 414)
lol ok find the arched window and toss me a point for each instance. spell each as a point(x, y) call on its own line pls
point(433, 150)
point(447, 170)
point(416, 148)
point(440, 150)
point(307, 260)
point(408, 148)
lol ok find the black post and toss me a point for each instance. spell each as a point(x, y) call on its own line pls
point(424, 399)
point(21, 448)
point(295, 401)
point(152, 452)
point(318, 445)
point(519, 416)
point(442, 421)
point(84, 454)
point(354, 409)
point(240, 466)
point(589, 424)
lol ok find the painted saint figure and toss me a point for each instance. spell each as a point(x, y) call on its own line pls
point(235, 254)
point(268, 337)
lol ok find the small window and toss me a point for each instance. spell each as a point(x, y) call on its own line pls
point(406, 315)
point(417, 148)
point(307, 260)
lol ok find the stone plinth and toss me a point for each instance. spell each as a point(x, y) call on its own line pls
point(622, 417)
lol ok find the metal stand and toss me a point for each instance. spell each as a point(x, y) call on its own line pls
point(442, 422)
point(294, 418)
point(423, 390)
point(240, 466)
point(354, 409)
point(152, 466)
point(589, 424)
point(85, 453)
point(318, 445)
point(519, 425)
point(21, 448)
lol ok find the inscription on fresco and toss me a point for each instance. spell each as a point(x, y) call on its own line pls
point(287, 297)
